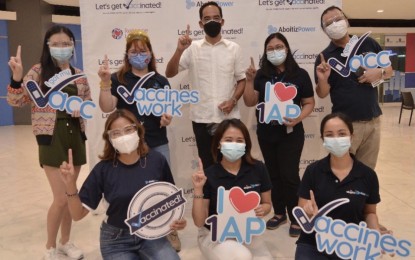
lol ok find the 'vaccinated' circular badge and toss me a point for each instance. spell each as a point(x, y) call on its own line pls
point(154, 208)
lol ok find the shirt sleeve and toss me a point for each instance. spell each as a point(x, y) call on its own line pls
point(265, 180)
point(374, 197)
point(257, 80)
point(114, 85)
point(306, 184)
point(92, 190)
point(239, 64)
point(184, 62)
point(167, 175)
point(307, 90)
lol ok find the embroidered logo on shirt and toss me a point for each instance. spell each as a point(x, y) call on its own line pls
point(251, 186)
point(356, 192)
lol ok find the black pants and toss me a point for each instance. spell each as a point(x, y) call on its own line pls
point(204, 138)
point(282, 159)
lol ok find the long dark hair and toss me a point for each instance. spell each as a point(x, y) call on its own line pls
point(222, 127)
point(48, 65)
point(291, 66)
point(109, 150)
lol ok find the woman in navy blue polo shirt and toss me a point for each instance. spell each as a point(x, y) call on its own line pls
point(281, 141)
point(234, 167)
point(126, 166)
point(339, 175)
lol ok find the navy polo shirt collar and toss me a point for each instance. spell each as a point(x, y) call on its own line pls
point(353, 174)
point(223, 173)
point(333, 47)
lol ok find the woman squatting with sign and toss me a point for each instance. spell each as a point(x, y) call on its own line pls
point(126, 166)
point(234, 167)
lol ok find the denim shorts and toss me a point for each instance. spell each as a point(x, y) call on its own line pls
point(118, 244)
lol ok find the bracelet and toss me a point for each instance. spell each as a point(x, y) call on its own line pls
point(198, 196)
point(235, 101)
point(71, 195)
point(105, 85)
point(15, 84)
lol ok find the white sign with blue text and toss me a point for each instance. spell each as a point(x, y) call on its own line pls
point(278, 103)
point(150, 101)
point(349, 240)
point(57, 99)
point(236, 217)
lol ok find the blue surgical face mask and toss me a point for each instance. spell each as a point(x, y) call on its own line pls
point(232, 151)
point(338, 146)
point(140, 61)
point(61, 54)
point(276, 57)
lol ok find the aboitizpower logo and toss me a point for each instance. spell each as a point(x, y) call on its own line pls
point(349, 241)
point(293, 29)
point(190, 3)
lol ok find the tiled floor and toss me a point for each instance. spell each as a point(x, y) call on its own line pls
point(25, 196)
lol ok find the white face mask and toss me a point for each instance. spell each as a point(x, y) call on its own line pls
point(126, 143)
point(61, 54)
point(338, 146)
point(337, 30)
point(232, 151)
point(276, 57)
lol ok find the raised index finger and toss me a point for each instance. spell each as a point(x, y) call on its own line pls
point(106, 61)
point(252, 63)
point(200, 165)
point(19, 51)
point(70, 160)
point(313, 200)
point(187, 30)
point(323, 60)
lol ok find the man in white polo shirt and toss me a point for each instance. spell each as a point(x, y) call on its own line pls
point(216, 70)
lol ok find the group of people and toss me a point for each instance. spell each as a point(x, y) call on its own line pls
point(136, 148)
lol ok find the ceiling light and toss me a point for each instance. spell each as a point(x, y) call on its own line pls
point(380, 11)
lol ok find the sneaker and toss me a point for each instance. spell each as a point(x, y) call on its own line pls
point(71, 250)
point(174, 240)
point(294, 231)
point(50, 254)
point(275, 221)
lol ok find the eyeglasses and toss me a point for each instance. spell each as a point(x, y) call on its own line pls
point(60, 44)
point(333, 20)
point(275, 48)
point(118, 132)
point(206, 20)
point(135, 53)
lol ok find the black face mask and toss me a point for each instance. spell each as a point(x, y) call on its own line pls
point(212, 28)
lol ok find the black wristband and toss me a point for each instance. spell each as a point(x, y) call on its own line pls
point(15, 84)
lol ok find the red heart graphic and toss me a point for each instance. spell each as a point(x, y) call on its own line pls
point(283, 92)
point(243, 202)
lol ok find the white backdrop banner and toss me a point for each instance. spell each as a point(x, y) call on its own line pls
point(106, 23)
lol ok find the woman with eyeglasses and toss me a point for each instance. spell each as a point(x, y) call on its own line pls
point(126, 166)
point(56, 131)
point(139, 59)
point(281, 141)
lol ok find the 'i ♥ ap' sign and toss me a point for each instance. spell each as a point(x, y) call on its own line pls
point(278, 103)
point(236, 217)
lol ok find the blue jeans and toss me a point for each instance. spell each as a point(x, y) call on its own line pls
point(310, 252)
point(118, 244)
point(164, 150)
